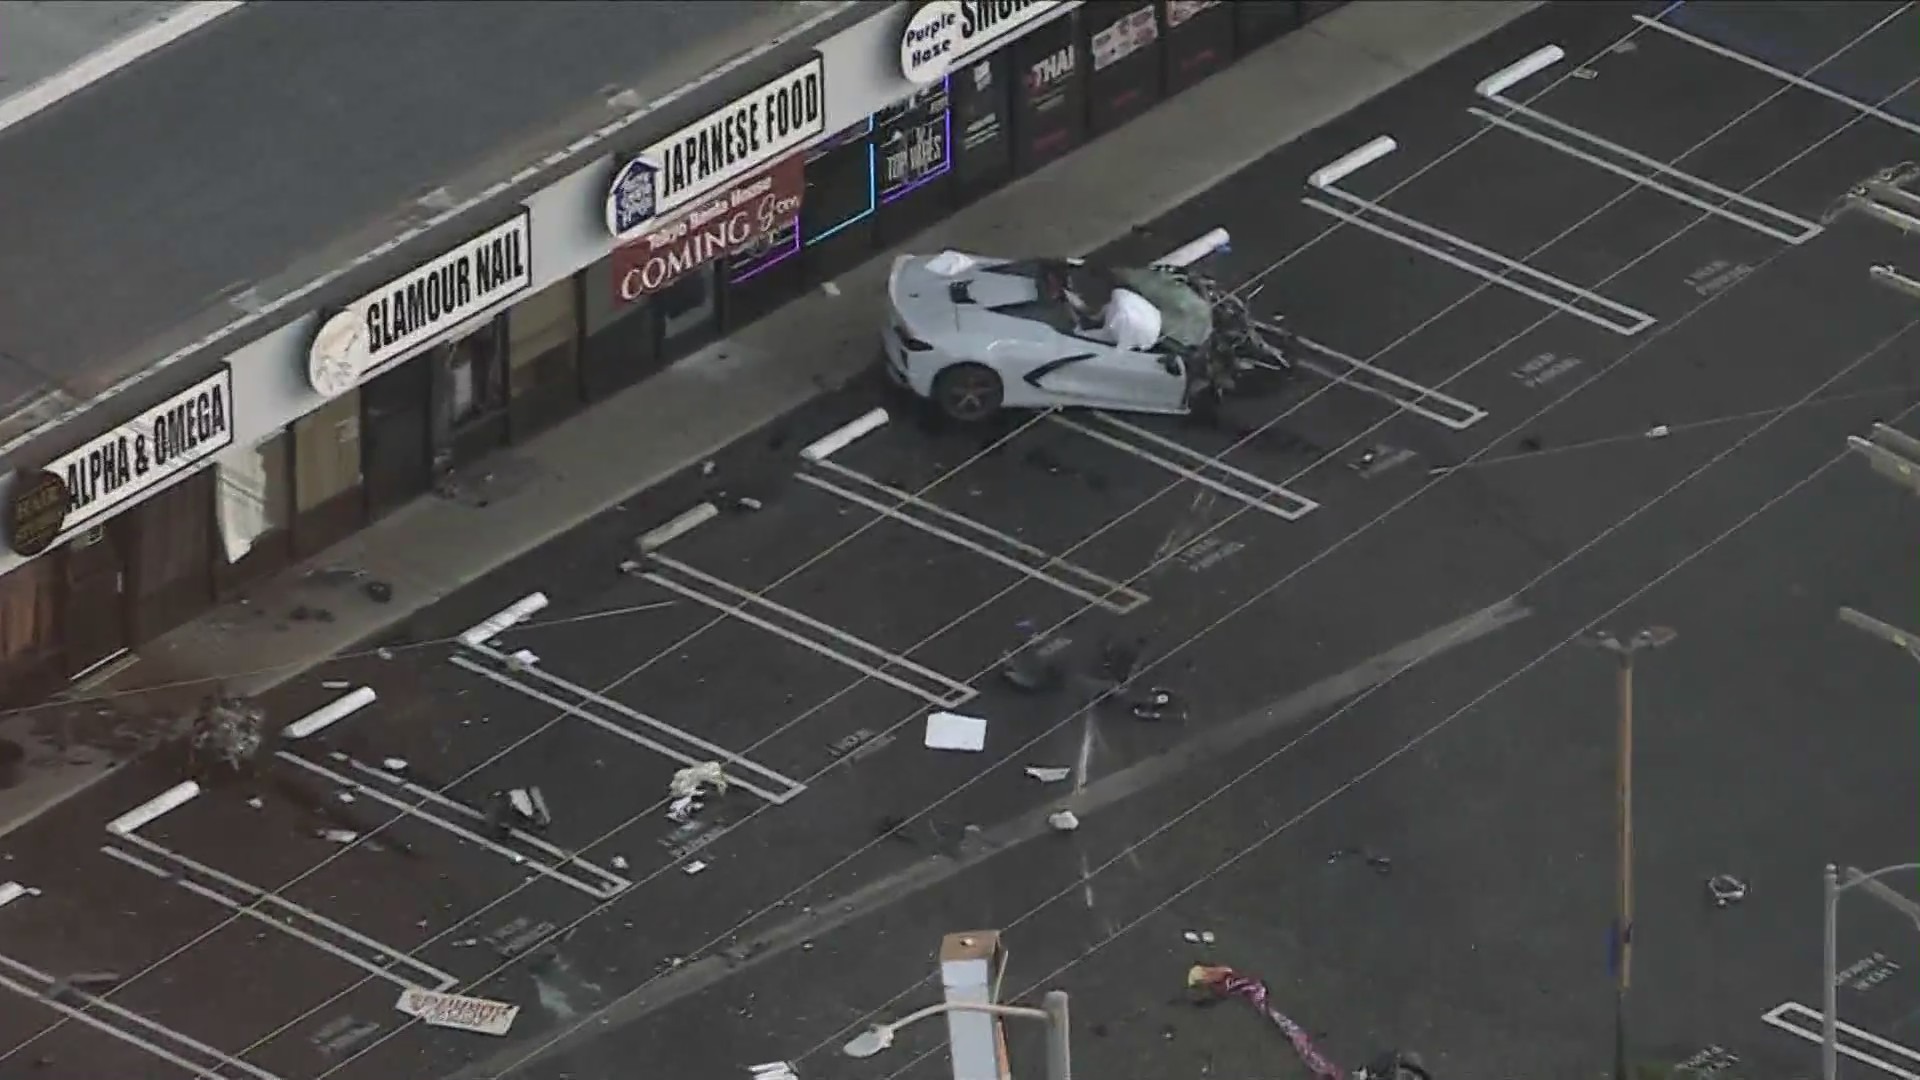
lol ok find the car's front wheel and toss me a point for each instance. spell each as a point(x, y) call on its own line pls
point(968, 393)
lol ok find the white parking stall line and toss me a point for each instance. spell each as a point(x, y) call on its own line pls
point(183, 1051)
point(1265, 495)
point(1025, 558)
point(1807, 1024)
point(1788, 77)
point(883, 666)
point(606, 885)
point(267, 908)
point(1422, 401)
point(1544, 287)
point(738, 767)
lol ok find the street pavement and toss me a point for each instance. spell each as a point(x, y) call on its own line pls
point(1587, 468)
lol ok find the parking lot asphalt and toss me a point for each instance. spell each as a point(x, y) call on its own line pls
point(1650, 432)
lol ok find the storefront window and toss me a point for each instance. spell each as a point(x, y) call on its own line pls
point(1199, 40)
point(689, 312)
point(836, 220)
point(621, 345)
point(1050, 112)
point(326, 453)
point(476, 385)
point(983, 155)
point(29, 610)
point(541, 378)
point(253, 495)
point(913, 154)
point(1123, 40)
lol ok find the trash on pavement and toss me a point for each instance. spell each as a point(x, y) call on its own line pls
point(693, 867)
point(746, 502)
point(1224, 982)
point(339, 836)
point(1158, 705)
point(952, 731)
point(1049, 774)
point(394, 764)
point(1198, 937)
point(255, 803)
point(335, 684)
point(522, 659)
point(774, 1070)
point(697, 780)
point(1726, 890)
point(1063, 821)
point(1379, 864)
point(619, 862)
point(682, 809)
point(477, 1015)
point(1659, 431)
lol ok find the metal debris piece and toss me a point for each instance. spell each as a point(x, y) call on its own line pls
point(531, 806)
point(1726, 890)
point(227, 731)
point(1063, 821)
point(344, 796)
point(707, 467)
point(683, 808)
point(1198, 937)
point(774, 1070)
point(697, 780)
point(1224, 982)
point(693, 867)
point(394, 764)
point(1049, 774)
point(383, 653)
point(339, 836)
point(1659, 431)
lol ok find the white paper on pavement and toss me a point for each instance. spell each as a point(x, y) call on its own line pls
point(454, 1011)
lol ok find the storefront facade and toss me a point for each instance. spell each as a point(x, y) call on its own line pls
point(768, 186)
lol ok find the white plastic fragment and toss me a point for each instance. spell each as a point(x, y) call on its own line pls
point(696, 780)
point(335, 684)
point(522, 659)
point(339, 836)
point(394, 764)
point(774, 1070)
point(694, 867)
point(619, 862)
point(952, 731)
point(255, 803)
point(1063, 821)
point(1659, 431)
point(682, 808)
point(1049, 774)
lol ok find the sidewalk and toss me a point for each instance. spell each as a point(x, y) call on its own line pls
point(429, 550)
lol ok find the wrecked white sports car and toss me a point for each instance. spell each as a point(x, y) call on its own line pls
point(973, 334)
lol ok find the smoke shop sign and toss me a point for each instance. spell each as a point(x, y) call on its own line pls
point(404, 315)
point(699, 159)
point(746, 214)
point(943, 33)
point(165, 441)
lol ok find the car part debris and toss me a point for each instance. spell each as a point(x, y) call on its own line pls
point(1198, 937)
point(952, 731)
point(436, 1009)
point(394, 764)
point(522, 659)
point(774, 1070)
point(1725, 890)
point(255, 803)
point(698, 780)
point(1379, 864)
point(693, 867)
point(1224, 982)
point(1063, 821)
point(1659, 431)
point(338, 836)
point(227, 731)
point(1159, 705)
point(1049, 774)
point(335, 684)
point(619, 862)
point(683, 808)
point(746, 502)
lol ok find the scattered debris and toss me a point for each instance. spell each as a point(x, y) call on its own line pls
point(394, 764)
point(1049, 774)
point(682, 809)
point(255, 803)
point(619, 862)
point(1379, 458)
point(1379, 864)
point(1063, 821)
point(531, 805)
point(227, 731)
point(1394, 1065)
point(473, 1014)
point(338, 836)
point(952, 731)
point(344, 796)
point(1725, 890)
point(1659, 431)
point(1198, 937)
point(1224, 982)
point(745, 502)
point(75, 989)
point(693, 867)
point(378, 591)
point(335, 684)
point(708, 467)
point(777, 1070)
point(1158, 705)
point(522, 659)
point(383, 653)
point(697, 780)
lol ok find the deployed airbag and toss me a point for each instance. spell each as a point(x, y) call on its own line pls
point(1130, 321)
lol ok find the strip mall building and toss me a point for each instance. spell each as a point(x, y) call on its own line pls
point(195, 478)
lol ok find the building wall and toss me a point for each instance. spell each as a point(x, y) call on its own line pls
point(302, 469)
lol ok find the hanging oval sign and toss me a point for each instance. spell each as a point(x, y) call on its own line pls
point(36, 511)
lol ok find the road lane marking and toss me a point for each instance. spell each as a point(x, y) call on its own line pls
point(1238, 484)
point(884, 666)
point(1789, 77)
point(740, 767)
point(1420, 400)
point(1811, 1031)
point(607, 886)
point(222, 1064)
point(1597, 309)
point(1024, 559)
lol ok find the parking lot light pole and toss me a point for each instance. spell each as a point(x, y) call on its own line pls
point(1839, 881)
point(1053, 1013)
point(1652, 637)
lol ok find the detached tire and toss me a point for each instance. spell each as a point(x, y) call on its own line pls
point(968, 393)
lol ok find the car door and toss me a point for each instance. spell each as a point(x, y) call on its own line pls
point(1102, 376)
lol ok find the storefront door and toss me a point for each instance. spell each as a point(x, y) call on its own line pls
point(95, 608)
point(172, 558)
point(396, 435)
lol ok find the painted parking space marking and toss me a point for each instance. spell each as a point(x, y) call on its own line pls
point(1789, 77)
point(115, 1021)
point(807, 632)
point(1356, 374)
point(1859, 1044)
point(246, 899)
point(1207, 471)
point(428, 806)
point(1459, 253)
point(1645, 171)
point(1009, 551)
point(599, 710)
